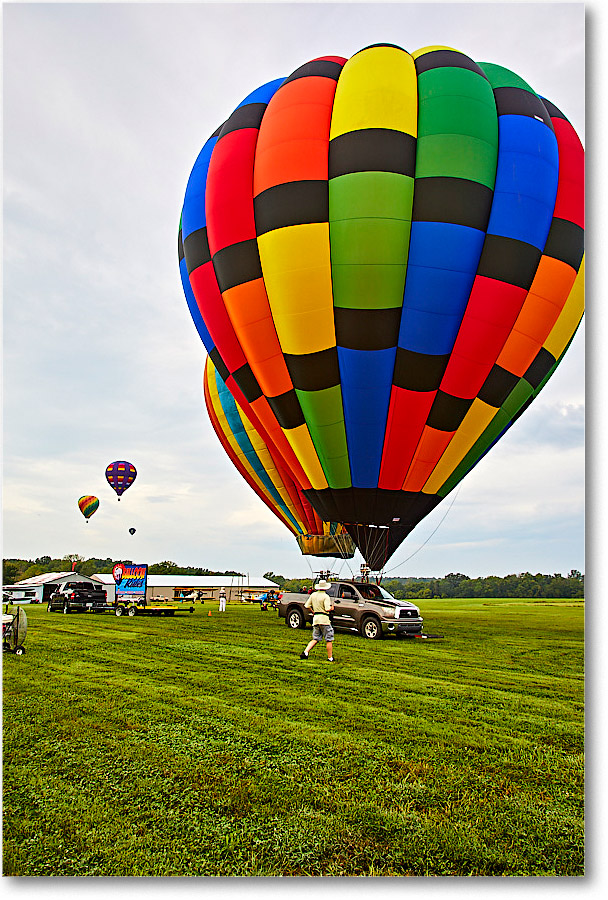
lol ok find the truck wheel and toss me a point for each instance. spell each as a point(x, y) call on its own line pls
point(131, 611)
point(119, 611)
point(295, 618)
point(371, 628)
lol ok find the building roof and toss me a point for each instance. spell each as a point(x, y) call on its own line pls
point(198, 581)
point(49, 577)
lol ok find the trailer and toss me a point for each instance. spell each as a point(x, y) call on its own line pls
point(142, 608)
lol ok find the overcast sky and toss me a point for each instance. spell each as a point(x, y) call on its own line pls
point(106, 107)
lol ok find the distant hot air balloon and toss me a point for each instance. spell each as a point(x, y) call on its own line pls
point(132, 530)
point(87, 506)
point(120, 476)
point(384, 257)
point(263, 470)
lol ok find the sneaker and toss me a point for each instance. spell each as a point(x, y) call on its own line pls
point(303, 655)
point(331, 660)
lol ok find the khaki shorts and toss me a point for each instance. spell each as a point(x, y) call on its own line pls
point(323, 632)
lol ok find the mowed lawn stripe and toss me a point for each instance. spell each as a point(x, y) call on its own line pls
point(203, 745)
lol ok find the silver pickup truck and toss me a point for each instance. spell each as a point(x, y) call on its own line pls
point(359, 606)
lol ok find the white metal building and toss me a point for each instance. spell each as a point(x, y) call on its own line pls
point(194, 587)
point(38, 588)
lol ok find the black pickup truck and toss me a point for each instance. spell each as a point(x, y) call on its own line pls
point(79, 596)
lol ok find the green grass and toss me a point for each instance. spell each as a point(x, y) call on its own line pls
point(202, 745)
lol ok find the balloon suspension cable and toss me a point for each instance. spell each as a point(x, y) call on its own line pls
point(345, 544)
point(376, 540)
point(342, 561)
point(352, 574)
point(403, 561)
point(329, 573)
point(315, 574)
point(312, 574)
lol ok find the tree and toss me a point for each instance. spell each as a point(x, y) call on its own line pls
point(164, 568)
point(10, 572)
point(73, 558)
point(31, 571)
point(278, 579)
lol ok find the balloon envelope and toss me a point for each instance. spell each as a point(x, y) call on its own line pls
point(132, 530)
point(261, 467)
point(384, 256)
point(88, 505)
point(120, 475)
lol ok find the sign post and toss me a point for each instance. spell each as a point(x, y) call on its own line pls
point(131, 580)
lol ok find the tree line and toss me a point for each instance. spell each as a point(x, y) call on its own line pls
point(14, 570)
point(453, 585)
point(457, 585)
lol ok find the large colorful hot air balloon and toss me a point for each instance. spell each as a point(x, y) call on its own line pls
point(262, 468)
point(88, 505)
point(384, 258)
point(120, 475)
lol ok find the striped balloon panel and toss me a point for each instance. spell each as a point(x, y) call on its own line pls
point(231, 362)
point(194, 243)
point(394, 242)
point(238, 256)
point(88, 505)
point(120, 475)
point(372, 154)
point(290, 187)
point(242, 455)
point(193, 230)
point(457, 151)
point(474, 447)
point(272, 484)
point(263, 459)
point(545, 325)
point(270, 460)
point(199, 322)
point(520, 217)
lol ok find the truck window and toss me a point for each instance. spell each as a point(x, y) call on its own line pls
point(370, 592)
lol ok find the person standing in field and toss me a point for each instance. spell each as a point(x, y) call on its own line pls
point(322, 629)
point(222, 599)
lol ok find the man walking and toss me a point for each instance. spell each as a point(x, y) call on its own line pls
point(222, 599)
point(322, 629)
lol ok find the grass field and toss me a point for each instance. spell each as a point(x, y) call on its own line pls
point(202, 745)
